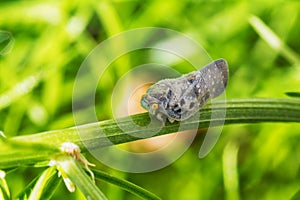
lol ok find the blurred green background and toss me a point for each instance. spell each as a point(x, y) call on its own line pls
point(43, 44)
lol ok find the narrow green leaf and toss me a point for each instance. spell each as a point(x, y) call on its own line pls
point(3, 193)
point(19, 90)
point(77, 175)
point(42, 187)
point(17, 153)
point(89, 136)
point(126, 185)
point(230, 170)
point(4, 190)
point(273, 40)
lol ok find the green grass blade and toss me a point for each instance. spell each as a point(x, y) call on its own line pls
point(41, 187)
point(230, 170)
point(273, 40)
point(77, 175)
point(4, 190)
point(20, 89)
point(238, 111)
point(126, 185)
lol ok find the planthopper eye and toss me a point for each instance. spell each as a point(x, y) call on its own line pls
point(154, 106)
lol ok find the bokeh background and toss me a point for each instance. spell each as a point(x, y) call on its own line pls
point(43, 44)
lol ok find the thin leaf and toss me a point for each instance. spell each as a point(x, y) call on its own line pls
point(4, 190)
point(42, 187)
point(77, 175)
point(19, 90)
point(230, 170)
point(41, 184)
point(97, 135)
point(126, 185)
point(273, 40)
